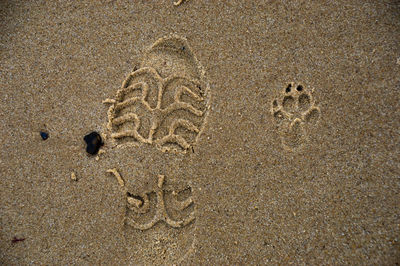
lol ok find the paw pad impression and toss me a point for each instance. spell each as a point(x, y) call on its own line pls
point(293, 111)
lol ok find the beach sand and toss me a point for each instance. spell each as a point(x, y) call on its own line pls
point(276, 139)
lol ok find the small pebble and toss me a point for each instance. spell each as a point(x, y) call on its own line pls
point(94, 142)
point(44, 135)
point(73, 176)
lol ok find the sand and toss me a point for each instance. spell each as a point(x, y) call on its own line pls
point(235, 132)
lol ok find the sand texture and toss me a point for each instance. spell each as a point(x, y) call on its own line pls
point(235, 132)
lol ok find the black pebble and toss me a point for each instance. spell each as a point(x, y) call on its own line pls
point(94, 142)
point(44, 135)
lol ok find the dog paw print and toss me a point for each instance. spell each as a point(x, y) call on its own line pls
point(293, 113)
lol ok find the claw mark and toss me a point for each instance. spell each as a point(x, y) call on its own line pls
point(141, 205)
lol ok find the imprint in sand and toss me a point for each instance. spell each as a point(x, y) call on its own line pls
point(165, 102)
point(161, 219)
point(292, 112)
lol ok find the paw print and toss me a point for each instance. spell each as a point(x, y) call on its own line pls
point(293, 112)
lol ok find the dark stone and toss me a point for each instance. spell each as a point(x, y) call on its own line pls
point(44, 135)
point(94, 142)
